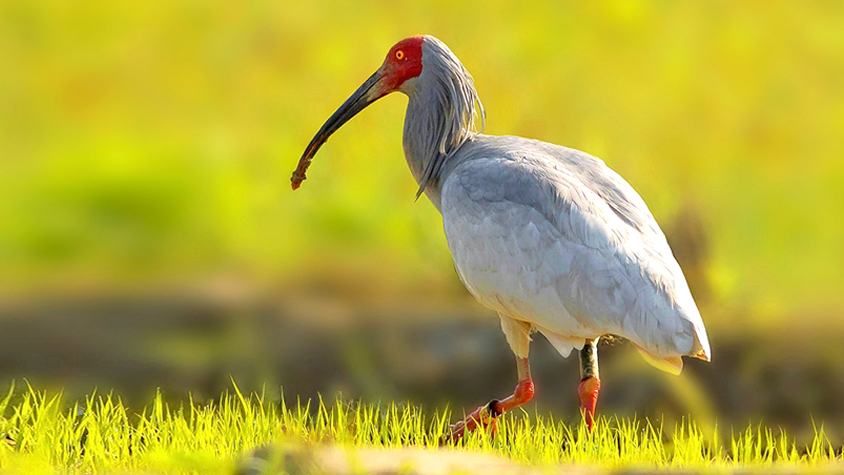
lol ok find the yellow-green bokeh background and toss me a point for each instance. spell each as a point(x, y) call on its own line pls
point(150, 144)
point(152, 141)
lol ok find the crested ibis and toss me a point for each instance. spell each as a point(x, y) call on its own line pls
point(549, 237)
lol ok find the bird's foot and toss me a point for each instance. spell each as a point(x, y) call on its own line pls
point(484, 417)
point(588, 392)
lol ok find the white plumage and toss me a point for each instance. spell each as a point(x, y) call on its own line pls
point(551, 237)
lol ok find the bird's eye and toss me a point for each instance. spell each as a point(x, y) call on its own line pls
point(399, 54)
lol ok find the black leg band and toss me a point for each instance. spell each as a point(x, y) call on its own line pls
point(492, 408)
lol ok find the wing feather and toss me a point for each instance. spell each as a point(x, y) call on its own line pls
point(552, 237)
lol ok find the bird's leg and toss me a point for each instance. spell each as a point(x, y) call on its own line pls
point(590, 382)
point(487, 415)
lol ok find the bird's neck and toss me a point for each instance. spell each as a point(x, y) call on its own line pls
point(421, 146)
point(431, 138)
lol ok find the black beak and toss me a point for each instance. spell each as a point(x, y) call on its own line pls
point(357, 102)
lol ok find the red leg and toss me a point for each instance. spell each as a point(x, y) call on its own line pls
point(588, 392)
point(486, 416)
point(590, 382)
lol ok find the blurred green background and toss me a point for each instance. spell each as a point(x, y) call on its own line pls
point(146, 150)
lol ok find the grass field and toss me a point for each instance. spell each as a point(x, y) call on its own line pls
point(145, 149)
point(238, 433)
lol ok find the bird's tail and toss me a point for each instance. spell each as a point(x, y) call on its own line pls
point(671, 364)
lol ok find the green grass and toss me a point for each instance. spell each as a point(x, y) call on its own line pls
point(101, 435)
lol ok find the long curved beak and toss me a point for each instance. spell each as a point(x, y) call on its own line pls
point(366, 94)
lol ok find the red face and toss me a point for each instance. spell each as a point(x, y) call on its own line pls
point(404, 61)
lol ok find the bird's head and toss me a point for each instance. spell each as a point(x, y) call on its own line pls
point(403, 63)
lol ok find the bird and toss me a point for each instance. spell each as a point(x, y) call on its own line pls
point(549, 237)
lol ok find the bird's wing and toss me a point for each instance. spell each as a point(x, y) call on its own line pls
point(553, 237)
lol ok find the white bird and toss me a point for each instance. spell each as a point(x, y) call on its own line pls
point(547, 236)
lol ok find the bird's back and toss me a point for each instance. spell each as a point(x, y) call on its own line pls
point(551, 236)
